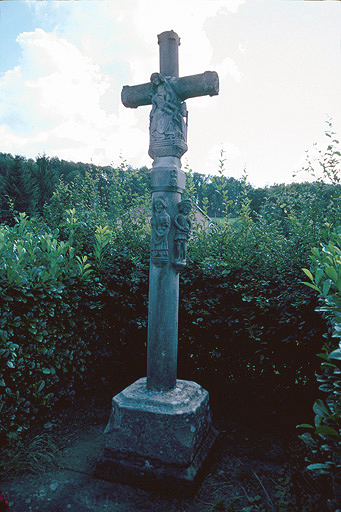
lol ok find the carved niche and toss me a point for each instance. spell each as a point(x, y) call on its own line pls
point(168, 120)
point(160, 228)
point(183, 227)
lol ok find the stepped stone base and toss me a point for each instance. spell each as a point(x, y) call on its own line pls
point(158, 440)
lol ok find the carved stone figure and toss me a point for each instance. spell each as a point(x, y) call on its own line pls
point(183, 227)
point(168, 120)
point(160, 229)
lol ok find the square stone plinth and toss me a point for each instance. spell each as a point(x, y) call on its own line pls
point(157, 436)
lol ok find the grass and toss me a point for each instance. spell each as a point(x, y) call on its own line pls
point(221, 220)
point(30, 456)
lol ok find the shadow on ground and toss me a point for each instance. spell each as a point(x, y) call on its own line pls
point(251, 470)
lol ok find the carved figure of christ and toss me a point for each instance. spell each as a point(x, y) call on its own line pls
point(166, 92)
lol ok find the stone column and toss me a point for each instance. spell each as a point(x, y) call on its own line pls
point(167, 184)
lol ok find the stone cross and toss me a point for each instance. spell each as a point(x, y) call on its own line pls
point(171, 226)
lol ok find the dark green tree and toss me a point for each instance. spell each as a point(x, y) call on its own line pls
point(45, 177)
point(19, 190)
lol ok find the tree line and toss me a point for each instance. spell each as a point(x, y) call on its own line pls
point(29, 185)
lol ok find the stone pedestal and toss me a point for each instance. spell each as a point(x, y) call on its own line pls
point(158, 440)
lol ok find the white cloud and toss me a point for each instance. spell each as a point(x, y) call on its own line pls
point(229, 155)
point(63, 97)
point(79, 105)
point(53, 102)
point(69, 106)
point(65, 84)
point(126, 32)
point(188, 20)
point(229, 67)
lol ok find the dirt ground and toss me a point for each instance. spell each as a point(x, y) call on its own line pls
point(253, 468)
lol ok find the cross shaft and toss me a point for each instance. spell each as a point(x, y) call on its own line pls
point(170, 223)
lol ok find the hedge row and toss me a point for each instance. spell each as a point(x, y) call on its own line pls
point(74, 309)
point(46, 322)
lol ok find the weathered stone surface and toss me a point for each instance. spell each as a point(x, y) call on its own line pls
point(160, 223)
point(167, 427)
point(167, 179)
point(162, 349)
point(183, 226)
point(168, 126)
point(180, 481)
point(203, 84)
point(167, 183)
point(168, 119)
point(169, 42)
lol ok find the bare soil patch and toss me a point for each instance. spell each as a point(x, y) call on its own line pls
point(256, 467)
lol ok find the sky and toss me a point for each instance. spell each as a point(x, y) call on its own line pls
point(63, 65)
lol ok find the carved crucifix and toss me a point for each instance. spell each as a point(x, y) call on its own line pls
point(167, 92)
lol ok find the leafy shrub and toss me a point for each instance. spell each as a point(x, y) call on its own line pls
point(324, 164)
point(75, 289)
point(246, 323)
point(68, 321)
point(42, 333)
point(324, 438)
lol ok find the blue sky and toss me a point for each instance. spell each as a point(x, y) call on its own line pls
point(63, 64)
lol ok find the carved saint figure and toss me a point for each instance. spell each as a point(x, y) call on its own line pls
point(168, 119)
point(182, 231)
point(160, 229)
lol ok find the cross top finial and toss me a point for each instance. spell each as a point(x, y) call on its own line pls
point(169, 43)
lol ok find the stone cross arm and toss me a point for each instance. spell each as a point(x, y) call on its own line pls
point(204, 84)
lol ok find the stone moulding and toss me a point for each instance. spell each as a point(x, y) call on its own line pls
point(167, 147)
point(156, 477)
point(167, 179)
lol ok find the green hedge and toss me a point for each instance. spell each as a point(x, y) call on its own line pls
point(45, 322)
point(74, 308)
point(247, 323)
point(324, 438)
